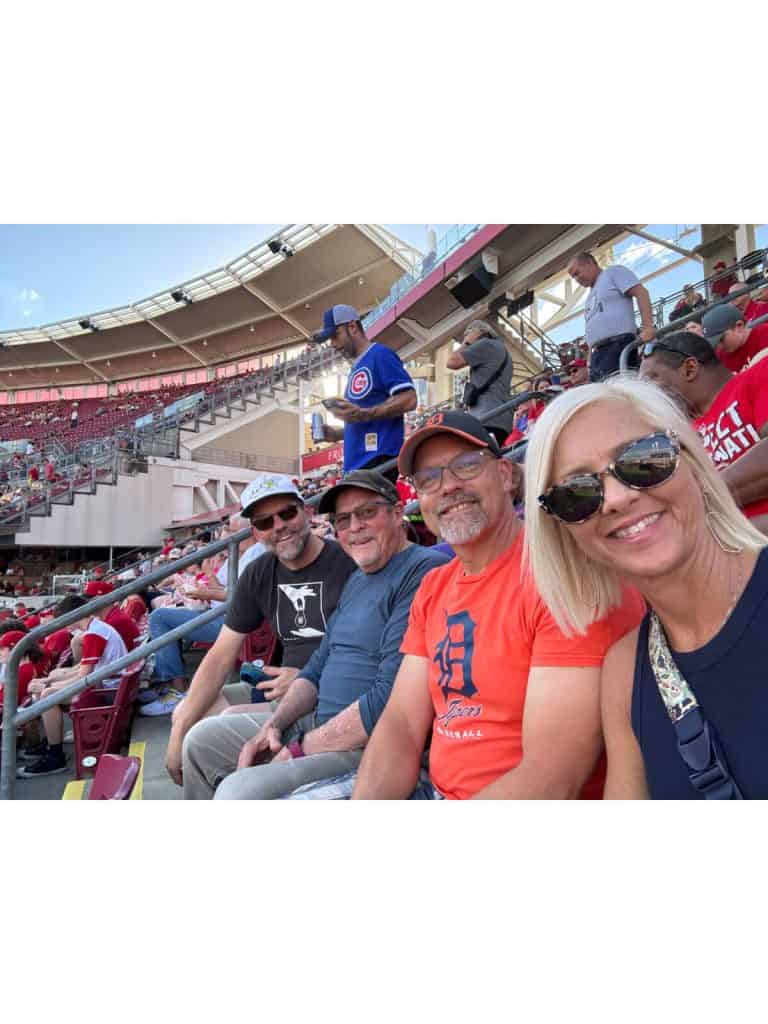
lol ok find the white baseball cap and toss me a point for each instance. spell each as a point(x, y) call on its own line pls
point(267, 487)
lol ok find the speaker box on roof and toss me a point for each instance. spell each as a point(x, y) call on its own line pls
point(473, 288)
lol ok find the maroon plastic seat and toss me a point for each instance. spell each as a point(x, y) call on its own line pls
point(101, 719)
point(115, 777)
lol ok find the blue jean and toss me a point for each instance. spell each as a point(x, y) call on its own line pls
point(168, 661)
point(604, 362)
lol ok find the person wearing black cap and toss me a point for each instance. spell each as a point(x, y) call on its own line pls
point(323, 722)
point(510, 701)
point(730, 411)
point(378, 394)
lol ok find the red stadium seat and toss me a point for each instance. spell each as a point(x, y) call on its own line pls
point(101, 719)
point(115, 777)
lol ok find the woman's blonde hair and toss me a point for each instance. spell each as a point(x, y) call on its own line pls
point(576, 589)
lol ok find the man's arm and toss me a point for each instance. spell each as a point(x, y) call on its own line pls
point(747, 478)
point(640, 294)
point(561, 737)
point(456, 360)
point(626, 772)
point(205, 687)
point(333, 433)
point(390, 766)
point(391, 409)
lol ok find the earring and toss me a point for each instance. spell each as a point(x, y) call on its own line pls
point(711, 517)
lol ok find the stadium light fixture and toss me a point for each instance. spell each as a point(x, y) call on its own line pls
point(88, 325)
point(179, 295)
point(278, 248)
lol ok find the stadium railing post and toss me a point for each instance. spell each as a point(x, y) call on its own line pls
point(13, 717)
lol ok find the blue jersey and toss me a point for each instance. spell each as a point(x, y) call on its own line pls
point(376, 376)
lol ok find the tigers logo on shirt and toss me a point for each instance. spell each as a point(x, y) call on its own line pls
point(360, 383)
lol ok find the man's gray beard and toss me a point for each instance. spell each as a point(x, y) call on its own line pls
point(297, 548)
point(465, 529)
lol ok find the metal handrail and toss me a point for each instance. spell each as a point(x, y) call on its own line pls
point(679, 325)
point(13, 716)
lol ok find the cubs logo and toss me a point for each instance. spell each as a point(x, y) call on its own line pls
point(360, 383)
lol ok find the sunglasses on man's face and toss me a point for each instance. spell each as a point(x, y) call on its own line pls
point(263, 523)
point(640, 465)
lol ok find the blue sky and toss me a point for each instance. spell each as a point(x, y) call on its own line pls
point(51, 272)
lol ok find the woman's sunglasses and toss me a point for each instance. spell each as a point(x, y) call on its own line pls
point(263, 523)
point(641, 464)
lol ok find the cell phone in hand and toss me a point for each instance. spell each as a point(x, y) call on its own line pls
point(333, 403)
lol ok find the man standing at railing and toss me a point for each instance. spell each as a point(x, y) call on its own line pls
point(379, 393)
point(609, 312)
point(490, 376)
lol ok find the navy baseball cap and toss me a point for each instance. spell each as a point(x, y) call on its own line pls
point(335, 317)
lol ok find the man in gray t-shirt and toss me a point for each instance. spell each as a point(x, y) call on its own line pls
point(490, 375)
point(609, 312)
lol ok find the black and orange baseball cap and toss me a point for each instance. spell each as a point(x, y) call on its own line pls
point(460, 424)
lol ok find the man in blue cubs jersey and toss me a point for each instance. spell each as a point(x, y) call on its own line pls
point(378, 394)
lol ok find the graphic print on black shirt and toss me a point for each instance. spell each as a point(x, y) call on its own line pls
point(300, 611)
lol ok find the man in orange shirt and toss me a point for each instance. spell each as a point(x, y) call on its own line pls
point(511, 703)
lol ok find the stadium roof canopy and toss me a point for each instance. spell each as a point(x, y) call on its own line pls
point(269, 298)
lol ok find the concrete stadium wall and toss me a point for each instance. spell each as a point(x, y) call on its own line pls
point(138, 510)
point(274, 434)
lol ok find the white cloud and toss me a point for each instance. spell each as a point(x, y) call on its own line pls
point(645, 252)
point(29, 295)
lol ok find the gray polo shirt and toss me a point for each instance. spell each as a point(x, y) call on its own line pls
point(608, 310)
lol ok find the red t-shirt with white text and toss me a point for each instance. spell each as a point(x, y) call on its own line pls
point(731, 425)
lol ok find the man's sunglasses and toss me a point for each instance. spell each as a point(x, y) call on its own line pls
point(463, 467)
point(343, 520)
point(263, 523)
point(640, 465)
point(651, 346)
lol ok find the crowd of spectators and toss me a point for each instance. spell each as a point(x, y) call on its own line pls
point(573, 649)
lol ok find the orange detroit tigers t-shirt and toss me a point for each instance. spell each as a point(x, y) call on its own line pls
point(482, 634)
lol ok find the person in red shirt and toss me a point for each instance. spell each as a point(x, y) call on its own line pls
point(34, 664)
point(724, 281)
point(734, 341)
point(34, 474)
point(49, 470)
point(510, 701)
point(112, 615)
point(750, 308)
point(729, 410)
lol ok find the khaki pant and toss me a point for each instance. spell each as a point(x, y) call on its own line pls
point(212, 747)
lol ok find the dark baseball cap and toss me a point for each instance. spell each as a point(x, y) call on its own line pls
point(460, 424)
point(366, 480)
point(719, 320)
point(333, 318)
point(686, 343)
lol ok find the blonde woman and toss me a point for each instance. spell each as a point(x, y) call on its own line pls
point(619, 487)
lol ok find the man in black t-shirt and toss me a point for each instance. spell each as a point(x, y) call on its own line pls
point(295, 586)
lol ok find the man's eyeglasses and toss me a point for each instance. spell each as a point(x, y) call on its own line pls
point(463, 467)
point(343, 520)
point(286, 515)
point(641, 464)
